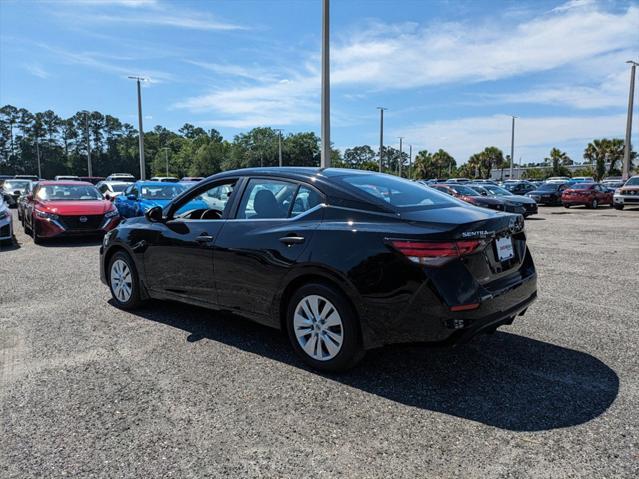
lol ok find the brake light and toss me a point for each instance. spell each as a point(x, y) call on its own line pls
point(435, 253)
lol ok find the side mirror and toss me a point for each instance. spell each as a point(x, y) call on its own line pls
point(154, 215)
point(131, 197)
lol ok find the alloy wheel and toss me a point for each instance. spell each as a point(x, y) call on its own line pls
point(121, 281)
point(318, 328)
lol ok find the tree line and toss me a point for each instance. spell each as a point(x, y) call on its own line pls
point(62, 145)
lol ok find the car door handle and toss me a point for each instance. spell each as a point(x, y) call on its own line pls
point(204, 239)
point(290, 240)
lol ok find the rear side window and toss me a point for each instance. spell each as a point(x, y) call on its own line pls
point(305, 199)
point(397, 192)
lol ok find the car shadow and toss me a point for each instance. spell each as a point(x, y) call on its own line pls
point(9, 245)
point(535, 219)
point(71, 242)
point(502, 380)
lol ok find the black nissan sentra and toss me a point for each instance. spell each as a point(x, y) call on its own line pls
point(343, 260)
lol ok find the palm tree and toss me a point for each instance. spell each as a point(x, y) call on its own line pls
point(557, 158)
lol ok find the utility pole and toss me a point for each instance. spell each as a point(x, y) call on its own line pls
point(512, 148)
point(325, 160)
point(399, 166)
point(38, 156)
point(410, 161)
point(141, 129)
point(86, 126)
point(381, 135)
point(628, 146)
point(166, 158)
point(279, 144)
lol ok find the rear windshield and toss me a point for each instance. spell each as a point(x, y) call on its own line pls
point(581, 186)
point(464, 190)
point(549, 187)
point(397, 192)
point(632, 182)
point(119, 188)
point(11, 185)
point(497, 191)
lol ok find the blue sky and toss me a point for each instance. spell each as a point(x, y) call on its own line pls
point(450, 72)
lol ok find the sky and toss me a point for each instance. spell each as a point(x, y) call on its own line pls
point(450, 72)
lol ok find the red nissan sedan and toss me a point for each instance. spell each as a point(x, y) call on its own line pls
point(591, 195)
point(58, 208)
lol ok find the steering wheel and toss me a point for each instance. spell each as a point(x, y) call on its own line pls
point(211, 214)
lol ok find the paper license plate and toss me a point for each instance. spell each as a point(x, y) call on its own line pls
point(505, 248)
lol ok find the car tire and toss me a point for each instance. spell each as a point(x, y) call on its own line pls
point(594, 204)
point(330, 339)
point(124, 282)
point(566, 205)
point(618, 207)
point(34, 234)
point(27, 230)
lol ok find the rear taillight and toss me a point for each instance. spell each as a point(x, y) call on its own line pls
point(435, 253)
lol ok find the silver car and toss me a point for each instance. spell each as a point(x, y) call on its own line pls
point(6, 223)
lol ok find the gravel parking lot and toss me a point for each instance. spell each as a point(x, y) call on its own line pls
point(87, 390)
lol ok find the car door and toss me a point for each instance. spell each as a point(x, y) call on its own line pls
point(273, 223)
point(178, 259)
point(121, 202)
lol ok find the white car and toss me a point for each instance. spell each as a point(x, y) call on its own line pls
point(165, 179)
point(111, 189)
point(627, 195)
point(6, 222)
point(67, 178)
point(127, 177)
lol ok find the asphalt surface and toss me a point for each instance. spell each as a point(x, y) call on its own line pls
point(87, 390)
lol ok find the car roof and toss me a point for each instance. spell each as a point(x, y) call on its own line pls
point(63, 182)
point(152, 183)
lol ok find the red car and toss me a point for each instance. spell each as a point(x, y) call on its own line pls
point(57, 208)
point(591, 195)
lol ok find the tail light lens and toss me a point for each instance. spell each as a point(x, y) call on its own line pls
point(435, 253)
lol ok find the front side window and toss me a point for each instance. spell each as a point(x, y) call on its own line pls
point(209, 204)
point(160, 192)
point(266, 199)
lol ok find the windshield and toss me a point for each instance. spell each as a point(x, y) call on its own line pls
point(161, 192)
point(12, 185)
point(497, 191)
point(119, 188)
point(68, 193)
point(397, 192)
point(632, 182)
point(581, 186)
point(464, 190)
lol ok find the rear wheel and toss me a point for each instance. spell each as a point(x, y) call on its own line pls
point(594, 204)
point(566, 205)
point(123, 281)
point(323, 328)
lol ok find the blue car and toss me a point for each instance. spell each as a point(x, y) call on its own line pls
point(141, 196)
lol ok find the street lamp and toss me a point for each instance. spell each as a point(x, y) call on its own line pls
point(410, 161)
point(279, 144)
point(512, 146)
point(86, 126)
point(628, 146)
point(325, 159)
point(381, 135)
point(141, 130)
point(166, 158)
point(399, 167)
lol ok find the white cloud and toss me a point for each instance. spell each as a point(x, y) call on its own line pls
point(37, 70)
point(402, 56)
point(533, 136)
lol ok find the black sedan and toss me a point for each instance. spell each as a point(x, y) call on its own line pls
point(342, 260)
point(528, 204)
point(548, 193)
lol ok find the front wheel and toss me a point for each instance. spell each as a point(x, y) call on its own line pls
point(594, 204)
point(618, 207)
point(566, 205)
point(123, 281)
point(323, 328)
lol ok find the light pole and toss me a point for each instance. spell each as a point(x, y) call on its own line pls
point(38, 156)
point(399, 166)
point(141, 129)
point(86, 127)
point(325, 159)
point(279, 144)
point(512, 147)
point(410, 161)
point(628, 145)
point(166, 158)
point(381, 135)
